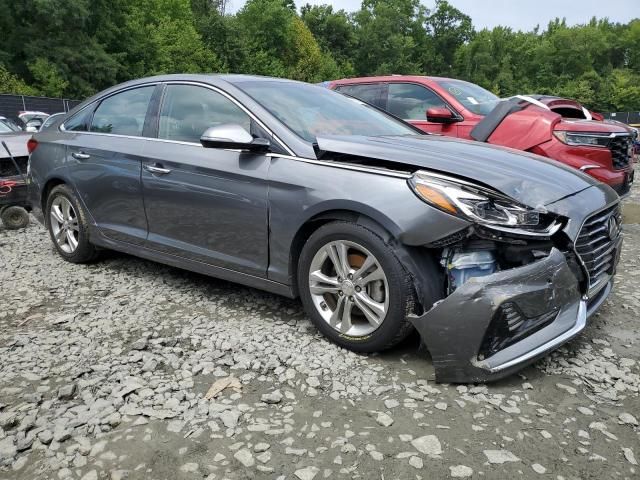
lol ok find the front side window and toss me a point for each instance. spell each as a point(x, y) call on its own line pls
point(370, 92)
point(474, 98)
point(123, 113)
point(188, 110)
point(411, 102)
point(311, 111)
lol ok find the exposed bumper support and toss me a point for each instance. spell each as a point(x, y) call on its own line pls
point(453, 330)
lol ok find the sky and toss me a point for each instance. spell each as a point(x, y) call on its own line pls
point(517, 14)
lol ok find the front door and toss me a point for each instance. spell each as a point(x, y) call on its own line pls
point(205, 204)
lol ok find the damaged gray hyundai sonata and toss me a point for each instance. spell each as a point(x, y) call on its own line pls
point(495, 256)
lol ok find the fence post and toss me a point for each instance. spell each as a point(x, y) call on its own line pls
point(24, 106)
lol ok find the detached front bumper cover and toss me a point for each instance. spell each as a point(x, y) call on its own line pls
point(454, 329)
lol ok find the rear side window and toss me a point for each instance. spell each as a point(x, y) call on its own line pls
point(410, 102)
point(370, 93)
point(79, 122)
point(188, 110)
point(123, 113)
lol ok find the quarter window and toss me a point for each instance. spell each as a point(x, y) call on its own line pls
point(410, 102)
point(123, 113)
point(187, 111)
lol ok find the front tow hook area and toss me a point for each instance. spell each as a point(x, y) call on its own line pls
point(472, 320)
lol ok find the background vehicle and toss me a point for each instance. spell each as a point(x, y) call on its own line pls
point(304, 192)
point(51, 119)
point(13, 190)
point(9, 126)
point(32, 120)
point(553, 127)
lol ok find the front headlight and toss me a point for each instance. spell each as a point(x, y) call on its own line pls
point(481, 205)
point(584, 139)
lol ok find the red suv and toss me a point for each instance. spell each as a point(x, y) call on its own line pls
point(550, 126)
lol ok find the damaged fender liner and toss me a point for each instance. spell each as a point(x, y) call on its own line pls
point(454, 329)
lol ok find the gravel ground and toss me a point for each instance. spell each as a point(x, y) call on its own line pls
point(105, 370)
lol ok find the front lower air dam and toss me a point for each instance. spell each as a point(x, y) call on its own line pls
point(493, 326)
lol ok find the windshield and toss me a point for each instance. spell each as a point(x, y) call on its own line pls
point(312, 111)
point(474, 98)
point(8, 126)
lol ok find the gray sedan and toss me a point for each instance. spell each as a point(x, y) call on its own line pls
point(496, 257)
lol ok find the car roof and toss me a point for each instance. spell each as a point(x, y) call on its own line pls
point(395, 78)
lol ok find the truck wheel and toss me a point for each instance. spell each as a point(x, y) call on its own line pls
point(15, 217)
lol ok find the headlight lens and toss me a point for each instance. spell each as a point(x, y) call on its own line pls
point(481, 205)
point(585, 139)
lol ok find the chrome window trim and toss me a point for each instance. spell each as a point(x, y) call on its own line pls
point(97, 100)
point(178, 82)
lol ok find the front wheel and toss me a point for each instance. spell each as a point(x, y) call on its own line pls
point(355, 290)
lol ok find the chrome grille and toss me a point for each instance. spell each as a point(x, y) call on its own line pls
point(595, 245)
point(620, 147)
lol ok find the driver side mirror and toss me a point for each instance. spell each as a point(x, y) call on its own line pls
point(440, 115)
point(233, 136)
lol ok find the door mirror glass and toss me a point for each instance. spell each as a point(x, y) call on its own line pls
point(440, 115)
point(233, 136)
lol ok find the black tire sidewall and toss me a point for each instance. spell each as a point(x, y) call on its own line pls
point(85, 251)
point(400, 290)
point(8, 212)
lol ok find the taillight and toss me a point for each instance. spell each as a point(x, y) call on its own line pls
point(32, 144)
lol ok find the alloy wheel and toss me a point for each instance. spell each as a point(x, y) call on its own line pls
point(349, 288)
point(64, 224)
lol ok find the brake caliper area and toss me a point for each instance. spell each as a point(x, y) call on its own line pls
point(497, 317)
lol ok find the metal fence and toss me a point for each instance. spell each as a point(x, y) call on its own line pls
point(630, 118)
point(12, 105)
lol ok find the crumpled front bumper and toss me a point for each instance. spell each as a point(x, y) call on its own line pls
point(454, 329)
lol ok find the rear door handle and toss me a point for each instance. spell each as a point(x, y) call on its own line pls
point(156, 170)
point(80, 155)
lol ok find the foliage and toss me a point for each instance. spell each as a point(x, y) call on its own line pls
point(74, 48)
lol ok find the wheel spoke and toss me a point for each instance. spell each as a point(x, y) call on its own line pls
point(337, 252)
point(366, 265)
point(56, 214)
point(60, 236)
point(71, 240)
point(335, 316)
point(73, 225)
point(376, 274)
point(374, 311)
point(66, 209)
point(345, 323)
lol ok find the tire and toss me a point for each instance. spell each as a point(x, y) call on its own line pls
point(15, 217)
point(80, 250)
point(361, 335)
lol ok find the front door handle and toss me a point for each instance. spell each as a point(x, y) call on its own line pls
point(80, 155)
point(156, 170)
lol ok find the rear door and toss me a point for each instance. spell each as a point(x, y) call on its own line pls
point(371, 93)
point(410, 102)
point(104, 161)
point(205, 204)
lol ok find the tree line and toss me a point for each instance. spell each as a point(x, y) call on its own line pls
point(74, 48)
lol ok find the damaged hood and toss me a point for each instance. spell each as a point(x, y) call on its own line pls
point(527, 178)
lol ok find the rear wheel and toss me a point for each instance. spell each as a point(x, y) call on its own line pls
point(14, 217)
point(355, 290)
point(68, 226)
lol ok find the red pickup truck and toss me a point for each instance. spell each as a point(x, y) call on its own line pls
point(554, 127)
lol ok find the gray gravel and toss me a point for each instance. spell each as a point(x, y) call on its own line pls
point(105, 369)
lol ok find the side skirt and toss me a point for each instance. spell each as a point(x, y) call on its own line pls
point(100, 240)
